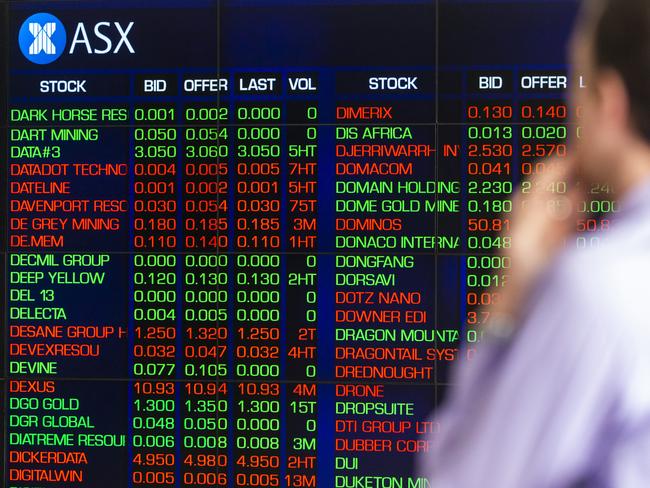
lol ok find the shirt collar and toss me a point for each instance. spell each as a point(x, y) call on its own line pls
point(635, 200)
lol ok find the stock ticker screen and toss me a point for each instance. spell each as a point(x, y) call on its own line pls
point(246, 240)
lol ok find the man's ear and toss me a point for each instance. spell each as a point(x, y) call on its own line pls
point(614, 100)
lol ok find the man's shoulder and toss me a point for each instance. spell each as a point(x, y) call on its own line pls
point(608, 284)
point(606, 264)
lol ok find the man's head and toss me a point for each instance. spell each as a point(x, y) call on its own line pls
point(611, 50)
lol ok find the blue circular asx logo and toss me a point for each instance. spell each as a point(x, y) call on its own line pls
point(42, 38)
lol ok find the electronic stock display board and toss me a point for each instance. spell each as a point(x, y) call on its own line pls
point(245, 240)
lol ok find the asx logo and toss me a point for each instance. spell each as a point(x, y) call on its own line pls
point(42, 38)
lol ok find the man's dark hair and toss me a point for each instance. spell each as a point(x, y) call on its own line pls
point(621, 33)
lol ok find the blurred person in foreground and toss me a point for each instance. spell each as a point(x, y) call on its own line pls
point(558, 392)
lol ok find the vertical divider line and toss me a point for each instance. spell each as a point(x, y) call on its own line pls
point(5, 251)
point(285, 256)
point(131, 286)
point(180, 273)
point(219, 196)
point(437, 159)
point(217, 28)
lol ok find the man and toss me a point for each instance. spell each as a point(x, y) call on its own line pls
point(558, 394)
